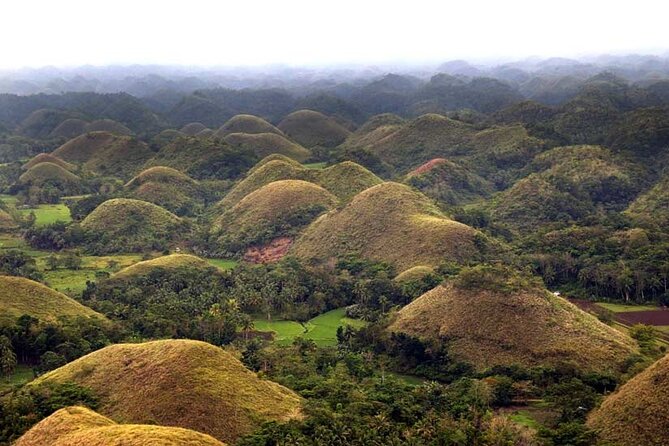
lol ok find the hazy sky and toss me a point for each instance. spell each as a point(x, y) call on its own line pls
point(297, 32)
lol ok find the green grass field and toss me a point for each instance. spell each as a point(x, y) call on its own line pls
point(223, 263)
point(523, 417)
point(621, 308)
point(321, 329)
point(73, 282)
point(22, 374)
point(45, 213)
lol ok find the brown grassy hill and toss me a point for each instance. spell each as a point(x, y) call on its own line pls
point(414, 273)
point(40, 123)
point(188, 384)
point(277, 209)
point(48, 158)
point(636, 414)
point(311, 128)
point(69, 128)
point(376, 128)
point(162, 174)
point(391, 223)
point(105, 153)
point(165, 187)
point(502, 148)
point(108, 125)
point(168, 262)
point(273, 157)
point(246, 124)
point(652, 207)
point(264, 144)
point(193, 128)
point(500, 320)
point(343, 180)
point(206, 133)
point(41, 173)
point(78, 426)
point(19, 296)
point(448, 182)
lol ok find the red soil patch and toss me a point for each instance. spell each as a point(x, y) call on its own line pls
point(271, 252)
point(427, 166)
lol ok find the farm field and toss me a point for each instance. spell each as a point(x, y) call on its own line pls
point(45, 214)
point(621, 308)
point(321, 329)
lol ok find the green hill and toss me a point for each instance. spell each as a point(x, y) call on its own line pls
point(390, 223)
point(491, 317)
point(48, 158)
point(108, 125)
point(105, 153)
point(40, 123)
point(249, 124)
point(48, 172)
point(165, 187)
point(78, 425)
point(280, 208)
point(19, 296)
point(129, 225)
point(265, 144)
point(652, 207)
point(636, 414)
point(311, 128)
point(200, 387)
point(168, 262)
point(193, 128)
point(69, 128)
point(414, 273)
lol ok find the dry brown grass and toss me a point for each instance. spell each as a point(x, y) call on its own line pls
point(48, 158)
point(181, 383)
point(46, 171)
point(246, 124)
point(265, 144)
point(636, 414)
point(389, 222)
point(529, 327)
point(311, 128)
point(79, 426)
point(414, 273)
point(168, 262)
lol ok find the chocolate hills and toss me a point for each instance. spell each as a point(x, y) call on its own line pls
point(278, 209)
point(69, 128)
point(105, 153)
point(636, 413)
point(652, 207)
point(78, 425)
point(249, 124)
point(165, 187)
point(48, 158)
point(391, 223)
point(343, 180)
point(19, 296)
point(169, 262)
point(193, 128)
point(491, 316)
point(310, 128)
point(129, 225)
point(201, 387)
point(53, 174)
point(265, 144)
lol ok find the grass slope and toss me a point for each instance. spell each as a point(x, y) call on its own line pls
point(166, 187)
point(78, 425)
point(246, 124)
point(486, 326)
point(48, 172)
point(277, 209)
point(652, 207)
point(105, 153)
point(19, 296)
point(636, 414)
point(389, 222)
point(48, 158)
point(181, 383)
point(265, 144)
point(69, 128)
point(311, 128)
point(168, 262)
point(108, 125)
point(193, 128)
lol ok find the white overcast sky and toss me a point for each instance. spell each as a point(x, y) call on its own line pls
point(300, 32)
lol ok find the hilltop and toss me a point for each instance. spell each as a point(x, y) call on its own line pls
point(124, 224)
point(277, 209)
point(54, 174)
point(69, 128)
point(19, 296)
point(491, 316)
point(165, 187)
point(249, 124)
point(168, 262)
point(636, 413)
point(265, 144)
point(311, 128)
point(342, 180)
point(374, 129)
point(48, 158)
point(201, 387)
point(193, 128)
point(105, 153)
point(78, 425)
point(390, 223)
point(108, 125)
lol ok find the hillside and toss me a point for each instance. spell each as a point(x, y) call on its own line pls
point(652, 207)
point(390, 223)
point(342, 180)
point(311, 128)
point(494, 318)
point(78, 425)
point(201, 387)
point(165, 187)
point(124, 224)
point(69, 128)
point(636, 413)
point(448, 182)
point(108, 125)
point(249, 124)
point(48, 158)
point(265, 144)
point(105, 153)
point(374, 129)
point(48, 172)
point(40, 123)
point(19, 296)
point(168, 262)
point(193, 128)
point(278, 209)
